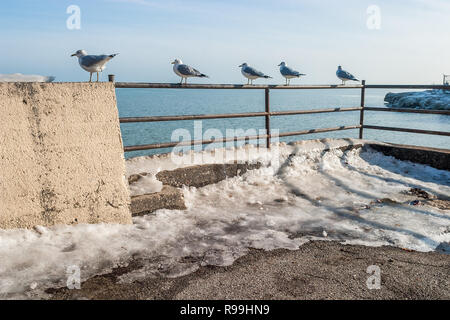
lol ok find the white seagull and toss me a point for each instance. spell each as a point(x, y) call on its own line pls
point(344, 75)
point(184, 71)
point(91, 63)
point(251, 73)
point(289, 73)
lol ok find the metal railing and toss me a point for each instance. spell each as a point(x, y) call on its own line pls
point(267, 114)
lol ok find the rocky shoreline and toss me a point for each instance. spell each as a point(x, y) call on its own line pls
point(430, 100)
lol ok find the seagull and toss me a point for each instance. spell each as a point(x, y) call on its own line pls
point(18, 77)
point(289, 73)
point(344, 75)
point(91, 63)
point(184, 71)
point(251, 73)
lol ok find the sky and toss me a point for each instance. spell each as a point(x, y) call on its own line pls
point(402, 41)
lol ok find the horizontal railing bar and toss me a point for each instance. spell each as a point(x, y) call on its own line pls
point(140, 85)
point(294, 112)
point(191, 142)
point(311, 131)
point(192, 117)
point(232, 115)
point(446, 112)
point(262, 136)
point(439, 133)
point(406, 86)
point(284, 134)
point(143, 85)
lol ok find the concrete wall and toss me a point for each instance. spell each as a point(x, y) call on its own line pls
point(61, 157)
point(436, 158)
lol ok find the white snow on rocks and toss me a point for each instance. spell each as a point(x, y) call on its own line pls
point(303, 193)
point(149, 166)
point(147, 184)
point(431, 99)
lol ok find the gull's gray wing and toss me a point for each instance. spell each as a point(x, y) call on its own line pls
point(286, 71)
point(188, 71)
point(253, 72)
point(345, 75)
point(91, 60)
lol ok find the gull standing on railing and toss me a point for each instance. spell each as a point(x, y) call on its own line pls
point(251, 73)
point(344, 75)
point(289, 73)
point(184, 71)
point(91, 63)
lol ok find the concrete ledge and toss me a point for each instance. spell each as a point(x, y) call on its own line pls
point(436, 158)
point(169, 198)
point(61, 155)
point(196, 176)
point(202, 175)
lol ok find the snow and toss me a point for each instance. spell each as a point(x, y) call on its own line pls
point(149, 166)
point(302, 193)
point(18, 77)
point(431, 99)
point(147, 184)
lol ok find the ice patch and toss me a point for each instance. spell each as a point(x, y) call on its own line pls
point(145, 185)
point(351, 196)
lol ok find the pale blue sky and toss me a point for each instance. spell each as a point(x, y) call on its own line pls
point(216, 36)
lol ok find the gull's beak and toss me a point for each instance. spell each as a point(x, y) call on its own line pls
point(279, 64)
point(173, 62)
point(73, 55)
point(240, 66)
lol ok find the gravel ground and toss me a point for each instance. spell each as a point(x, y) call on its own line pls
point(317, 270)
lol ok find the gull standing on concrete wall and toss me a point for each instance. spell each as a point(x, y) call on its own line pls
point(344, 75)
point(91, 63)
point(251, 73)
point(184, 71)
point(289, 73)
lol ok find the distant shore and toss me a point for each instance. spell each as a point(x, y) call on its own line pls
point(430, 99)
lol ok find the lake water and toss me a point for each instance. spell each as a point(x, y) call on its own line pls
point(159, 102)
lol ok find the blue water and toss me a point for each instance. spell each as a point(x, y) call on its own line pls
point(158, 102)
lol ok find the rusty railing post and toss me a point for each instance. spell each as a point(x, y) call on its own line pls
point(267, 103)
point(361, 116)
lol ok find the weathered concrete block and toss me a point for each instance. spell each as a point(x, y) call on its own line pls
point(169, 198)
point(203, 175)
point(436, 158)
point(61, 156)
